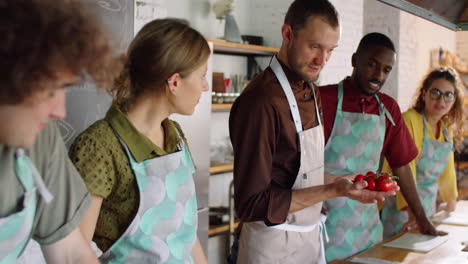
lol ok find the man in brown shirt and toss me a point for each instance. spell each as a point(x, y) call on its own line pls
point(269, 145)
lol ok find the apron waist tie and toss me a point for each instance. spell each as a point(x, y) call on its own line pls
point(323, 233)
point(296, 228)
point(306, 228)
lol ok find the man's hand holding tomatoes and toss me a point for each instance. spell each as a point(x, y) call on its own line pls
point(377, 181)
point(357, 191)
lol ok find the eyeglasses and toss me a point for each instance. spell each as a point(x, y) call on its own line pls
point(436, 94)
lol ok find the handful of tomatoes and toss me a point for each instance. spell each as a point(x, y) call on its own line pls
point(382, 182)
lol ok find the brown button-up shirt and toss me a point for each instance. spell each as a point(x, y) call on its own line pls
point(265, 142)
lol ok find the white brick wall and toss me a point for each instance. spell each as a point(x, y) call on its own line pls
point(379, 17)
point(417, 38)
point(351, 19)
point(407, 61)
point(414, 38)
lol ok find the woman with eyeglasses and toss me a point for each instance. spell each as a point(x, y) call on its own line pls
point(436, 124)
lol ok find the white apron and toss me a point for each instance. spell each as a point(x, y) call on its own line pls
point(298, 240)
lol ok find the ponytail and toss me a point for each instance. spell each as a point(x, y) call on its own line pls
point(121, 91)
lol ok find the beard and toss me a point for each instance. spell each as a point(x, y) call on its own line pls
point(293, 58)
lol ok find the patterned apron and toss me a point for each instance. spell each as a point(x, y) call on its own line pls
point(431, 163)
point(298, 240)
point(16, 228)
point(165, 227)
point(354, 146)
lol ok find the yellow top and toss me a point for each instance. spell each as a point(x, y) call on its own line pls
point(447, 180)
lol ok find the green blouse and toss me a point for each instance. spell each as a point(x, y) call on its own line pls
point(105, 168)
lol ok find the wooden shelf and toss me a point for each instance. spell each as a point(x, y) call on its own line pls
point(221, 168)
point(221, 106)
point(226, 47)
point(219, 229)
point(462, 165)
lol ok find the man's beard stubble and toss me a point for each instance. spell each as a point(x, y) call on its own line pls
point(292, 58)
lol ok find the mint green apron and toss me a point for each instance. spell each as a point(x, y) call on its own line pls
point(431, 163)
point(16, 228)
point(165, 227)
point(354, 146)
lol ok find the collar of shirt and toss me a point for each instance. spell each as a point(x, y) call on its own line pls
point(141, 147)
point(353, 93)
point(297, 83)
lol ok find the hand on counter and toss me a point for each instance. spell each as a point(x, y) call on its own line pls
point(411, 225)
point(426, 227)
point(449, 206)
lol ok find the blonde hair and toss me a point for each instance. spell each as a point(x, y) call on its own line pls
point(161, 48)
point(454, 118)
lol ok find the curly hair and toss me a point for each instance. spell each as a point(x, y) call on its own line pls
point(454, 118)
point(41, 37)
point(161, 48)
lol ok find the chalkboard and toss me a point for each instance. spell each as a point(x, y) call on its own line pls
point(85, 105)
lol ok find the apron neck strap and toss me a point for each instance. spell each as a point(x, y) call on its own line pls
point(444, 130)
point(317, 113)
point(382, 109)
point(129, 153)
point(29, 176)
point(340, 96)
point(180, 145)
point(283, 80)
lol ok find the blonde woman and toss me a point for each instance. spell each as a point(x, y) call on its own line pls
point(436, 123)
point(136, 161)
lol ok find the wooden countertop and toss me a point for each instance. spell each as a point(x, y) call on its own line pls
point(448, 253)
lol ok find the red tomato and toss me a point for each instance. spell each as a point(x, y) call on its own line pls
point(370, 173)
point(385, 184)
point(370, 183)
point(358, 178)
